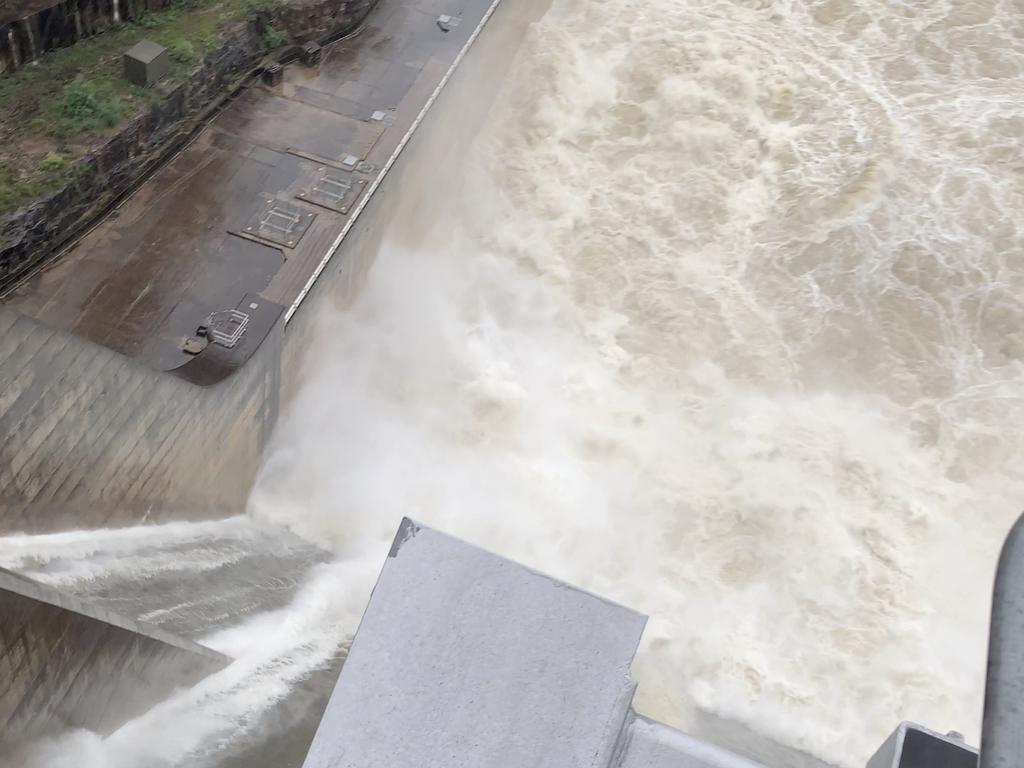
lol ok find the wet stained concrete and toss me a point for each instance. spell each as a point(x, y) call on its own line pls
point(200, 234)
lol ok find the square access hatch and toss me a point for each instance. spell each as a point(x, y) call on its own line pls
point(333, 189)
point(279, 222)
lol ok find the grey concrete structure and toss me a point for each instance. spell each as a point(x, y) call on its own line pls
point(466, 660)
point(1002, 736)
point(65, 663)
point(145, 63)
point(648, 744)
point(91, 438)
point(912, 746)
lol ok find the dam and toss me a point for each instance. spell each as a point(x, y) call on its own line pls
point(706, 308)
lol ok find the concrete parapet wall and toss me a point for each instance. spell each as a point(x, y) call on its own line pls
point(65, 664)
point(90, 438)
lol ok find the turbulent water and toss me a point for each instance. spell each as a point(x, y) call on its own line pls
point(725, 325)
point(721, 320)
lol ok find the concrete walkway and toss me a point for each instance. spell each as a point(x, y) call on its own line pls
point(257, 201)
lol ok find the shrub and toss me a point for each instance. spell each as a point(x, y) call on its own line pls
point(86, 108)
point(274, 37)
point(182, 51)
point(51, 161)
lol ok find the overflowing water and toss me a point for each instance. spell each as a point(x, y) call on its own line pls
point(719, 317)
point(723, 322)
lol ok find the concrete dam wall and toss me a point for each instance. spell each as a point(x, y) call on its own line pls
point(91, 438)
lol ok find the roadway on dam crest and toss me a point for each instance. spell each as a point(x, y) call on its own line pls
point(247, 213)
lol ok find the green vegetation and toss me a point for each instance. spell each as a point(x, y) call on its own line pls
point(59, 103)
point(81, 90)
point(51, 161)
point(182, 51)
point(18, 187)
point(86, 107)
point(244, 8)
point(274, 38)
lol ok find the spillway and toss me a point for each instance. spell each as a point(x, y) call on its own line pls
point(710, 307)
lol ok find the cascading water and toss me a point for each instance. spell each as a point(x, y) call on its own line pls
point(720, 318)
point(725, 324)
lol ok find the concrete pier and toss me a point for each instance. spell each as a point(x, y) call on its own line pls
point(466, 660)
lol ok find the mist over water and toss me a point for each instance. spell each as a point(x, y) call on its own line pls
point(720, 319)
point(718, 316)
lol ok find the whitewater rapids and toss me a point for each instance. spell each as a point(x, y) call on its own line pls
point(722, 321)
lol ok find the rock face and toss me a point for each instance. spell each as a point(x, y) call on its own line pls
point(319, 20)
point(36, 230)
point(30, 28)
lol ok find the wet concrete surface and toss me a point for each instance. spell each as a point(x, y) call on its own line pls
point(218, 579)
point(73, 664)
point(256, 202)
point(161, 575)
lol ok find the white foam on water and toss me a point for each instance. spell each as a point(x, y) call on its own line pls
point(71, 557)
point(723, 322)
point(273, 652)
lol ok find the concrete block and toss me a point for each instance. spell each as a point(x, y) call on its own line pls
point(273, 74)
point(466, 660)
point(310, 54)
point(145, 63)
point(648, 744)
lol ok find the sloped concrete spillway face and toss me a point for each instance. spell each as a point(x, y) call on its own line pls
point(67, 664)
point(90, 438)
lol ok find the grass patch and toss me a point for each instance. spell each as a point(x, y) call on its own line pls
point(88, 106)
point(49, 162)
point(33, 99)
point(51, 109)
point(244, 8)
point(182, 51)
point(18, 187)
